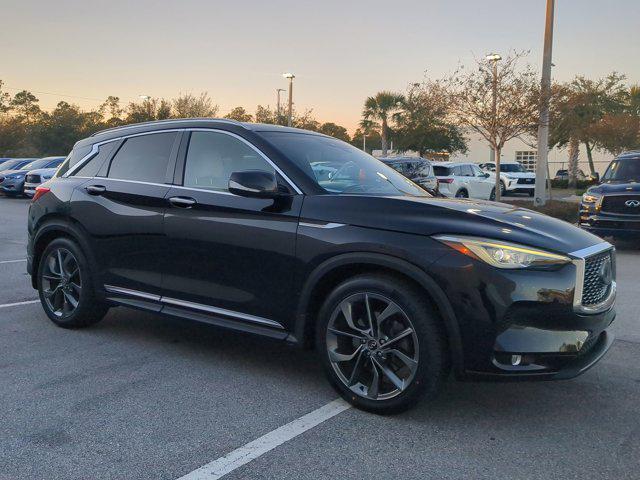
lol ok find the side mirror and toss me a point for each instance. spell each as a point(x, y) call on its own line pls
point(254, 183)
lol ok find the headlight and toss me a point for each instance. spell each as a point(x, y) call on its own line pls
point(502, 254)
point(590, 198)
point(15, 176)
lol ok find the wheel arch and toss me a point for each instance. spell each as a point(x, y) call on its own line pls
point(56, 226)
point(337, 269)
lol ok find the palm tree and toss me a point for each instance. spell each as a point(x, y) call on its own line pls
point(382, 107)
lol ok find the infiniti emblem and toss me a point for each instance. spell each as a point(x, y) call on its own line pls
point(605, 273)
point(632, 203)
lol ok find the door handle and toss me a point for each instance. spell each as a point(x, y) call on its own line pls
point(183, 202)
point(95, 189)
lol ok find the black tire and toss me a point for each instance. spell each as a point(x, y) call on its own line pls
point(492, 196)
point(503, 189)
point(433, 363)
point(89, 309)
point(462, 193)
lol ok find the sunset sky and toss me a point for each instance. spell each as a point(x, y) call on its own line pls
point(340, 51)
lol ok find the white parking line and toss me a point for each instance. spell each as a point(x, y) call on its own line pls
point(13, 261)
point(252, 450)
point(17, 304)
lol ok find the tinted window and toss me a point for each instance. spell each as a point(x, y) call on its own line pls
point(627, 170)
point(512, 167)
point(13, 164)
point(441, 171)
point(356, 171)
point(212, 157)
point(476, 171)
point(55, 163)
point(143, 158)
point(466, 171)
point(71, 161)
point(92, 167)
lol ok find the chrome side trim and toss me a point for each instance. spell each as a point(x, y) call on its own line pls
point(579, 258)
point(221, 311)
point(95, 147)
point(132, 293)
point(321, 225)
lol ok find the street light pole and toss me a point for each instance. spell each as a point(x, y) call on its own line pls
point(278, 107)
point(495, 153)
point(540, 196)
point(290, 76)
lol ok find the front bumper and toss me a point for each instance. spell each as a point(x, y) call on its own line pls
point(12, 186)
point(30, 189)
point(608, 224)
point(514, 186)
point(517, 325)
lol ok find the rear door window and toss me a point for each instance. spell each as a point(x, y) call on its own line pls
point(144, 158)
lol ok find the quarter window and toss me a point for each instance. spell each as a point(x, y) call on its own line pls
point(92, 167)
point(212, 157)
point(144, 158)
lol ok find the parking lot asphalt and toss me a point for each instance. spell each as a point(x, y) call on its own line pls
point(145, 397)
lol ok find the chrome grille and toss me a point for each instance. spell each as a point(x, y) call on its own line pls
point(595, 290)
point(618, 204)
point(526, 181)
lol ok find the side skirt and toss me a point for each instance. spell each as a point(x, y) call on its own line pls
point(197, 312)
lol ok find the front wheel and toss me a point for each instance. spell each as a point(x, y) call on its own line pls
point(65, 286)
point(492, 195)
point(381, 344)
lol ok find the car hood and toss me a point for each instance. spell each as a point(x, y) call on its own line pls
point(431, 216)
point(519, 174)
point(626, 187)
point(42, 171)
point(10, 172)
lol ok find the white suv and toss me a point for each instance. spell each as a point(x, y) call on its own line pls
point(464, 180)
point(514, 178)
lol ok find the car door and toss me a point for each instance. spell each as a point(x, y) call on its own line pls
point(484, 183)
point(121, 206)
point(229, 255)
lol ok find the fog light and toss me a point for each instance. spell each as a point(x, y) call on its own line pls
point(516, 359)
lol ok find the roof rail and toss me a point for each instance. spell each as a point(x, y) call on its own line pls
point(170, 120)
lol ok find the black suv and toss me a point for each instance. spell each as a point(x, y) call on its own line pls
point(236, 225)
point(612, 208)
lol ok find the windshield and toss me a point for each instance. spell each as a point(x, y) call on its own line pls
point(13, 164)
point(627, 170)
point(512, 167)
point(338, 167)
point(40, 163)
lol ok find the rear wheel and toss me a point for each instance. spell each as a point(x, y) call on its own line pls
point(65, 286)
point(462, 193)
point(381, 344)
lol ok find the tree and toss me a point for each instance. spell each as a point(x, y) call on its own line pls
point(239, 114)
point(111, 112)
point(381, 108)
point(150, 109)
point(423, 124)
point(470, 95)
point(334, 130)
point(367, 136)
point(617, 133)
point(190, 106)
point(5, 100)
point(577, 108)
point(25, 105)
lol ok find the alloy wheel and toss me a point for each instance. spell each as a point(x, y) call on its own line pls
point(372, 346)
point(61, 282)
